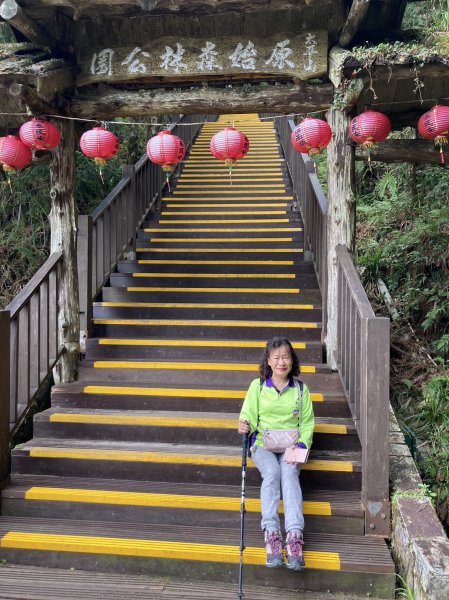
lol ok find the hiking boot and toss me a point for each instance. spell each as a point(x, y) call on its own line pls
point(274, 549)
point(294, 544)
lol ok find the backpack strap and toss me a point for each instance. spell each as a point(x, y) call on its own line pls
point(300, 388)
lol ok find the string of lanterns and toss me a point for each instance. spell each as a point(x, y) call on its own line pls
point(311, 136)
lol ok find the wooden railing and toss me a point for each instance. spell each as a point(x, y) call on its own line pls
point(312, 203)
point(364, 366)
point(363, 338)
point(109, 233)
point(29, 329)
point(29, 349)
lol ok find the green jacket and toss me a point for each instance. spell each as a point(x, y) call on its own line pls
point(269, 409)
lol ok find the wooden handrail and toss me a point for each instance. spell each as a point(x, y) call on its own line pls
point(111, 236)
point(363, 338)
point(30, 288)
point(364, 366)
point(29, 349)
point(5, 319)
point(312, 203)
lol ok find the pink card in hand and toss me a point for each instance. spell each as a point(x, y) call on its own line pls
point(296, 455)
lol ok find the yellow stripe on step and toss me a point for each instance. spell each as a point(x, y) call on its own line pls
point(258, 204)
point(212, 221)
point(184, 366)
point(155, 549)
point(174, 458)
point(225, 201)
point(204, 305)
point(164, 392)
point(222, 171)
point(207, 323)
point(236, 186)
point(285, 263)
point(223, 212)
point(197, 179)
point(49, 494)
point(213, 289)
point(217, 275)
point(194, 240)
point(221, 229)
point(223, 250)
point(192, 343)
point(155, 421)
point(112, 390)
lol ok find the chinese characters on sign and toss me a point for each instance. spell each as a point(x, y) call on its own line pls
point(302, 53)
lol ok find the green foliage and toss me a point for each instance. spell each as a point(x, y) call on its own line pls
point(429, 16)
point(24, 228)
point(403, 229)
point(407, 213)
point(24, 235)
point(432, 424)
point(404, 591)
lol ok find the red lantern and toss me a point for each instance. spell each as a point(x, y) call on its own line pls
point(434, 125)
point(39, 134)
point(229, 145)
point(369, 128)
point(167, 150)
point(99, 144)
point(311, 136)
point(14, 154)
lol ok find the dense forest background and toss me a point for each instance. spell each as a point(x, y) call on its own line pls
point(402, 255)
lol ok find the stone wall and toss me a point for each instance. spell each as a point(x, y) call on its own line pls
point(419, 543)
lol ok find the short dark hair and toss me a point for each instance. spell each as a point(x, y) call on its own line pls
point(265, 369)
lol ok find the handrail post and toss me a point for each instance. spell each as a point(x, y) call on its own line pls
point(5, 458)
point(374, 416)
point(85, 278)
point(131, 210)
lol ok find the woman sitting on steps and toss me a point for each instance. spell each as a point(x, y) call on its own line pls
point(277, 401)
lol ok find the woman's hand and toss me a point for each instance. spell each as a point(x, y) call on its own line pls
point(243, 427)
point(290, 462)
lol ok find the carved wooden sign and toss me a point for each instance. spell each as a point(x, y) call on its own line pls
point(303, 56)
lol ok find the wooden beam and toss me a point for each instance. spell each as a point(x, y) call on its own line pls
point(412, 151)
point(28, 96)
point(106, 103)
point(11, 12)
point(171, 7)
point(347, 92)
point(381, 74)
point(357, 13)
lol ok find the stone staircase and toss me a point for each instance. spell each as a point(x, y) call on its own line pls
point(136, 467)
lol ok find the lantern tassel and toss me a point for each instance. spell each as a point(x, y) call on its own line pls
point(230, 173)
point(442, 154)
point(167, 179)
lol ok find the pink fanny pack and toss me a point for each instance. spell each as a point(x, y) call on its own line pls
point(277, 440)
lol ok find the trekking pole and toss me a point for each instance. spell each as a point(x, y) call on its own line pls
point(242, 512)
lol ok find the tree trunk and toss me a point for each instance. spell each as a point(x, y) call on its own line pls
point(63, 222)
point(341, 216)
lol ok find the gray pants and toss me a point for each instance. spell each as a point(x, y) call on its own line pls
point(277, 475)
